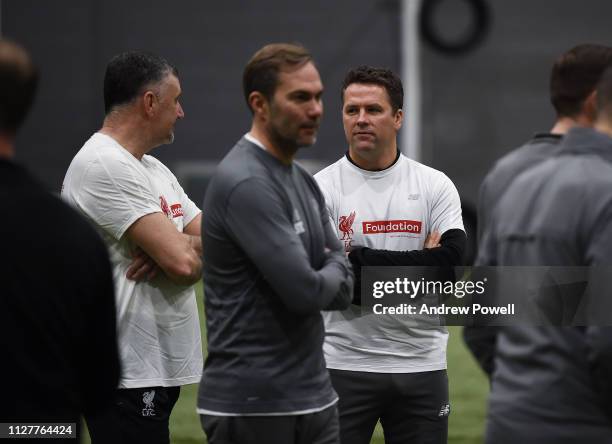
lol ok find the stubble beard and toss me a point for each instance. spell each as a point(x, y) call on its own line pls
point(287, 144)
point(167, 140)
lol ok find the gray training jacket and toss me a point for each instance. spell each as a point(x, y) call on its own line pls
point(271, 264)
point(542, 146)
point(553, 384)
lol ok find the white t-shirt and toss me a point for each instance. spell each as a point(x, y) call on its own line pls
point(157, 321)
point(393, 209)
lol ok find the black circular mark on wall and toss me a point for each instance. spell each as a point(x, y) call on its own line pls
point(478, 29)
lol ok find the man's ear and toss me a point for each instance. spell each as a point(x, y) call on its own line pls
point(259, 105)
point(398, 119)
point(149, 102)
point(589, 107)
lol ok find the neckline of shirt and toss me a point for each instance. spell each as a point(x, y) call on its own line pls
point(106, 136)
point(118, 145)
point(539, 136)
point(379, 173)
point(254, 141)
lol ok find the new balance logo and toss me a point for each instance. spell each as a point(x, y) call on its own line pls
point(444, 410)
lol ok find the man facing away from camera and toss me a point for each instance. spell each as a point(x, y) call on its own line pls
point(573, 80)
point(552, 384)
point(57, 320)
point(152, 230)
point(381, 367)
point(271, 264)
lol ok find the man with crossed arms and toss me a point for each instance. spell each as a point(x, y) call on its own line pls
point(380, 367)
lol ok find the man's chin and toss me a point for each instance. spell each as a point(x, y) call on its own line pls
point(168, 139)
point(364, 148)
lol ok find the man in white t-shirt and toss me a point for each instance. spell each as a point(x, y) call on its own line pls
point(152, 230)
point(388, 210)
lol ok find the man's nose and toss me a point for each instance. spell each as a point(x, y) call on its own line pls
point(362, 118)
point(316, 109)
point(179, 112)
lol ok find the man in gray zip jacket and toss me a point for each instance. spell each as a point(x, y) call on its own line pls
point(552, 384)
point(272, 263)
point(573, 79)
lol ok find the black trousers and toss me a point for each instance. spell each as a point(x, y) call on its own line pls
point(312, 428)
point(413, 408)
point(138, 415)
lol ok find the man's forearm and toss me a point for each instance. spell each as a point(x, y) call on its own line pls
point(344, 295)
point(192, 269)
point(171, 250)
point(195, 242)
point(450, 253)
point(186, 271)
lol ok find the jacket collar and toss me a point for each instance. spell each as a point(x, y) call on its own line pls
point(586, 141)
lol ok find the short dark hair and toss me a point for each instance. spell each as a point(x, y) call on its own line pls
point(18, 82)
point(575, 75)
point(377, 76)
point(261, 72)
point(604, 95)
point(128, 73)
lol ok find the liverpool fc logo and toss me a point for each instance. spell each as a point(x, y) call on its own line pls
point(147, 398)
point(346, 226)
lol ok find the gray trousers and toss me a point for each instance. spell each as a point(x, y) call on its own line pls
point(413, 408)
point(313, 428)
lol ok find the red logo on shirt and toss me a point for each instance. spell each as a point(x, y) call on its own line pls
point(345, 225)
point(391, 226)
point(177, 210)
point(164, 206)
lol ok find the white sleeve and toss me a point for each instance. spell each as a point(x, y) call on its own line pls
point(114, 195)
point(445, 206)
point(190, 209)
